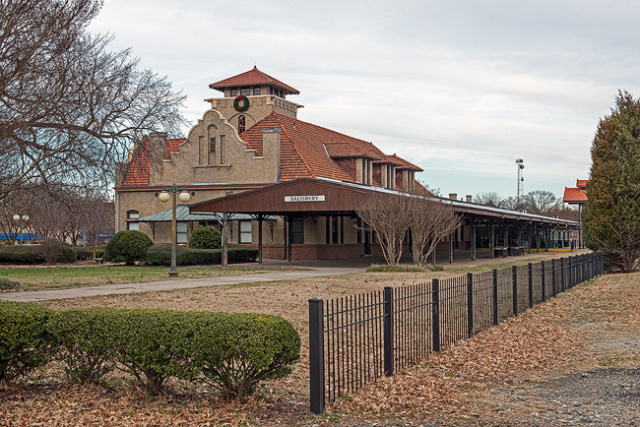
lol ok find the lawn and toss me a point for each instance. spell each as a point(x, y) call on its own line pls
point(449, 385)
point(46, 277)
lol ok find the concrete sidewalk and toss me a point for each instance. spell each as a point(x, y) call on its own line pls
point(166, 285)
point(301, 270)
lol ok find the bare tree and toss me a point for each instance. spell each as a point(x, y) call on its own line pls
point(489, 199)
point(97, 218)
point(387, 214)
point(70, 108)
point(431, 221)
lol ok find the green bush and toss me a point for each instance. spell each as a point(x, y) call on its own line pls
point(127, 246)
point(237, 351)
point(23, 338)
point(153, 345)
point(86, 253)
point(160, 254)
point(20, 254)
point(85, 339)
point(8, 284)
point(205, 238)
point(393, 269)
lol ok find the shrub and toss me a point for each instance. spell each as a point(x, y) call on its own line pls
point(393, 269)
point(51, 250)
point(205, 238)
point(21, 254)
point(9, 285)
point(237, 351)
point(161, 255)
point(153, 346)
point(23, 338)
point(85, 339)
point(127, 246)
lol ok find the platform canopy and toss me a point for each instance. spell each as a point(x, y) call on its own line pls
point(308, 196)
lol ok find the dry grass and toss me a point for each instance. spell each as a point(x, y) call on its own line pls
point(454, 387)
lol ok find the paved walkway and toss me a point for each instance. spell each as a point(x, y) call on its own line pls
point(302, 270)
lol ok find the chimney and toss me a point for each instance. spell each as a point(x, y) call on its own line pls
point(271, 149)
point(157, 153)
point(468, 198)
point(453, 196)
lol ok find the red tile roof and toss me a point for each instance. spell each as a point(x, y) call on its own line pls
point(582, 183)
point(138, 172)
point(574, 195)
point(253, 77)
point(403, 164)
point(306, 151)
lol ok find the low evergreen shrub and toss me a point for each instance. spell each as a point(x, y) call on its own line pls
point(205, 238)
point(127, 246)
point(393, 269)
point(21, 254)
point(160, 254)
point(154, 345)
point(237, 351)
point(9, 285)
point(85, 339)
point(23, 338)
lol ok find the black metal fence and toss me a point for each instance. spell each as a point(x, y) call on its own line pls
point(356, 339)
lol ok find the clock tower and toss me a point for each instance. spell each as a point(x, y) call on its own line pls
point(250, 96)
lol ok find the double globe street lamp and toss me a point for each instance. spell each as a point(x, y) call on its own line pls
point(20, 218)
point(167, 193)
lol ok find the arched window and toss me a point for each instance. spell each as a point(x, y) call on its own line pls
point(241, 123)
point(132, 220)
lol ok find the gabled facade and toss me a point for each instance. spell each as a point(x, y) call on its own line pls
point(247, 139)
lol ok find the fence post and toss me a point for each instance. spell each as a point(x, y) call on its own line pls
point(542, 281)
point(470, 303)
point(553, 278)
point(388, 331)
point(435, 309)
point(514, 286)
point(562, 274)
point(316, 355)
point(570, 272)
point(530, 285)
point(495, 296)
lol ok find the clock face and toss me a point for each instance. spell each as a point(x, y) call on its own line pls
point(241, 103)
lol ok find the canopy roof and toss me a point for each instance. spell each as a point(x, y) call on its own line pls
point(183, 215)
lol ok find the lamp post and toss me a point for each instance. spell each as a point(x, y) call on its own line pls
point(20, 218)
point(520, 164)
point(164, 197)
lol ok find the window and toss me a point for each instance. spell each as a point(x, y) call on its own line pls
point(335, 224)
point(212, 145)
point(298, 231)
point(256, 91)
point(245, 232)
point(181, 232)
point(132, 220)
point(245, 91)
point(233, 92)
point(241, 123)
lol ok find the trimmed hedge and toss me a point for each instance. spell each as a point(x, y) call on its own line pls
point(153, 345)
point(85, 339)
point(160, 254)
point(21, 254)
point(237, 351)
point(127, 246)
point(232, 352)
point(24, 343)
point(205, 238)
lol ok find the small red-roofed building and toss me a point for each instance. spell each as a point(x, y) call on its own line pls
point(577, 196)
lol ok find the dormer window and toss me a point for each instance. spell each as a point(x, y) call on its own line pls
point(256, 90)
point(245, 91)
point(233, 92)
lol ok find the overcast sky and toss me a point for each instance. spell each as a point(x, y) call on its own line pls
point(460, 88)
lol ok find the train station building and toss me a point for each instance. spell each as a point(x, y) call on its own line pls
point(292, 188)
